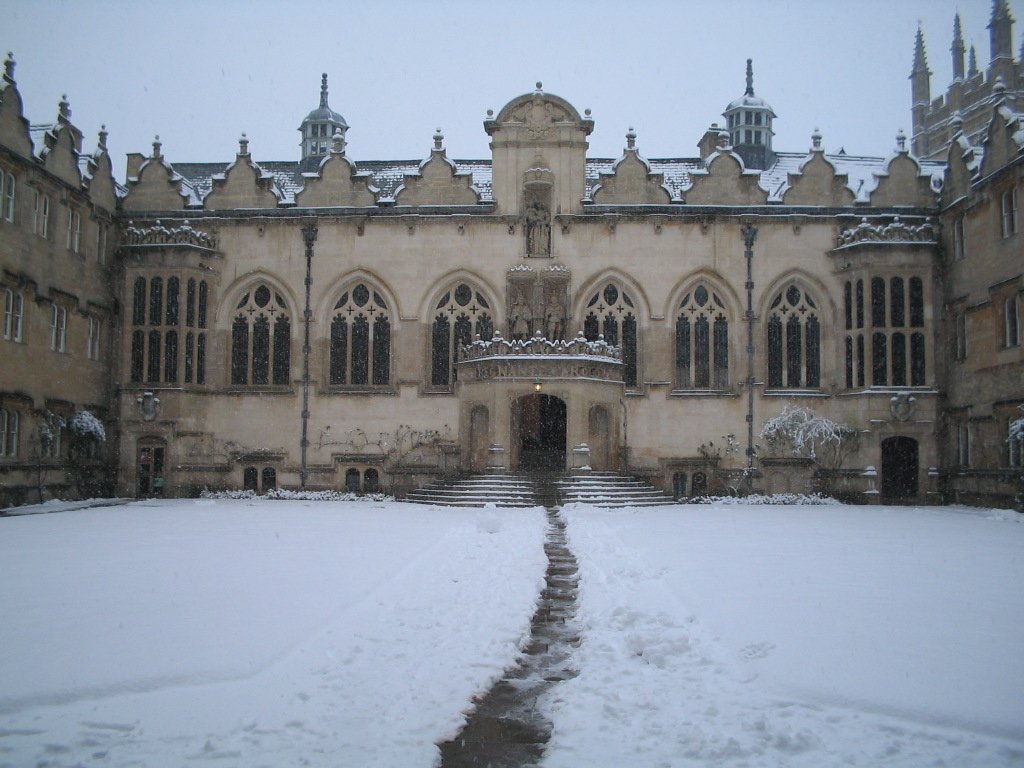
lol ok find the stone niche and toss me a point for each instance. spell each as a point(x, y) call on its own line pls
point(537, 301)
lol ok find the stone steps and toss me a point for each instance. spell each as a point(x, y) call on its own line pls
point(600, 489)
point(500, 489)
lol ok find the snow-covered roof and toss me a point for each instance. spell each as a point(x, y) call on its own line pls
point(388, 175)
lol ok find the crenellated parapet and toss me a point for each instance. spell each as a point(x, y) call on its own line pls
point(895, 231)
point(499, 346)
point(158, 235)
point(539, 359)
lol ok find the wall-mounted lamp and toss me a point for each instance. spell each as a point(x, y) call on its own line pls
point(537, 385)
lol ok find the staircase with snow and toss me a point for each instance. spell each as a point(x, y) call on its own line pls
point(499, 488)
point(600, 489)
point(610, 489)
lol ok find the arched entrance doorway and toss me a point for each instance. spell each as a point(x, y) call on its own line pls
point(899, 468)
point(149, 467)
point(539, 432)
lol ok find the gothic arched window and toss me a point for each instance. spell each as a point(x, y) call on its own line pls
point(461, 312)
point(612, 313)
point(794, 340)
point(702, 341)
point(261, 339)
point(360, 350)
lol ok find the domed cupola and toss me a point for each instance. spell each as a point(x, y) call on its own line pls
point(319, 127)
point(749, 120)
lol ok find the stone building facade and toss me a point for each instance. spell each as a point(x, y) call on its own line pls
point(329, 323)
point(58, 237)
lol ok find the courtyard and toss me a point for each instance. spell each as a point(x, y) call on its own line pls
point(286, 633)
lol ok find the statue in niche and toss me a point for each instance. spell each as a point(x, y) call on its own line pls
point(538, 229)
point(554, 316)
point(520, 318)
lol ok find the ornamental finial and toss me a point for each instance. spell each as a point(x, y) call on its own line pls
point(243, 144)
point(630, 138)
point(750, 77)
point(438, 140)
point(323, 90)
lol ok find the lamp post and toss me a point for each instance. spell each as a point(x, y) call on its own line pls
point(308, 237)
point(749, 233)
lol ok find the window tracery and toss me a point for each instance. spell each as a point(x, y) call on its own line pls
point(360, 343)
point(261, 339)
point(461, 312)
point(612, 313)
point(794, 340)
point(702, 341)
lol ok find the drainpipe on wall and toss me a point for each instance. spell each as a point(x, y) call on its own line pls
point(749, 233)
point(308, 237)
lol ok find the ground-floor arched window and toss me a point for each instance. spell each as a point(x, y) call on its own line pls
point(679, 485)
point(371, 481)
point(352, 480)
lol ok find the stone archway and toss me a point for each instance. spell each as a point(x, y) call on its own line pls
point(899, 468)
point(539, 432)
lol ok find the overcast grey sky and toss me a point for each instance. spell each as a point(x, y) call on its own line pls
point(200, 72)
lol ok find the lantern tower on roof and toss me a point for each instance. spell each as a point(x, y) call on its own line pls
point(749, 121)
point(319, 127)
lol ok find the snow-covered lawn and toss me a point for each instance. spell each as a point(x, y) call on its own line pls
point(287, 633)
point(797, 636)
point(255, 633)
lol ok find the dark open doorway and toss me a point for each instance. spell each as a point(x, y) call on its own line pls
point(541, 434)
point(899, 468)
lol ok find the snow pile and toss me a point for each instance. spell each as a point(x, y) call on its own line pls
point(168, 632)
point(796, 636)
point(283, 494)
point(813, 499)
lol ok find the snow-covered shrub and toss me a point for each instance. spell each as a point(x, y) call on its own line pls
point(86, 426)
point(208, 494)
point(287, 495)
point(50, 425)
point(804, 433)
point(811, 499)
point(283, 494)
